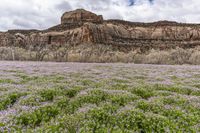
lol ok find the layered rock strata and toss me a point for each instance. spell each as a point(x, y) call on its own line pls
point(81, 26)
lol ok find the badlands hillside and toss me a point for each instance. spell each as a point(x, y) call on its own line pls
point(86, 37)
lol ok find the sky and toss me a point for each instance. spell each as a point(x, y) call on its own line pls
point(41, 14)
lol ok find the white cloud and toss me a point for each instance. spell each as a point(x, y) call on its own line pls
point(41, 14)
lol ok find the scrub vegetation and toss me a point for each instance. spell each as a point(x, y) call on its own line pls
point(98, 98)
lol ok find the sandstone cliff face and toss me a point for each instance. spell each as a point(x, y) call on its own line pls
point(80, 16)
point(82, 26)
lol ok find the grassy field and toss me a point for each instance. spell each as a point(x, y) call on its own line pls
point(98, 98)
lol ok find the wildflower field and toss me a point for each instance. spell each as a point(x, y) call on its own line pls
point(98, 98)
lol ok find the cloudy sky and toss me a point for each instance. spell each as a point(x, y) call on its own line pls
point(41, 14)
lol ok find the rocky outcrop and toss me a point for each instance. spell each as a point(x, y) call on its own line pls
point(80, 16)
point(81, 26)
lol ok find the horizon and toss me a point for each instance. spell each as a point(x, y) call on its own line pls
point(35, 14)
point(107, 20)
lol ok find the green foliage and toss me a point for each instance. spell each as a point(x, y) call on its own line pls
point(101, 106)
point(120, 81)
point(71, 92)
point(196, 93)
point(9, 100)
point(3, 89)
point(149, 106)
point(2, 125)
point(66, 123)
point(143, 92)
point(101, 119)
point(35, 118)
point(182, 121)
point(25, 78)
point(48, 94)
point(36, 79)
point(174, 101)
point(137, 121)
point(7, 81)
point(62, 102)
point(94, 97)
point(71, 123)
point(87, 82)
point(32, 100)
point(122, 99)
point(119, 86)
point(179, 90)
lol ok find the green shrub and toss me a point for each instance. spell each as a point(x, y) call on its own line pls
point(48, 94)
point(32, 100)
point(101, 119)
point(71, 123)
point(195, 93)
point(119, 86)
point(64, 123)
point(87, 82)
point(62, 102)
point(74, 105)
point(9, 100)
point(35, 118)
point(71, 92)
point(2, 125)
point(150, 107)
point(25, 78)
point(179, 90)
point(137, 121)
point(174, 100)
point(182, 121)
point(94, 97)
point(143, 92)
point(122, 99)
point(7, 81)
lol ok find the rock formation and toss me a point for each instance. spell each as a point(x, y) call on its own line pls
point(81, 26)
point(80, 16)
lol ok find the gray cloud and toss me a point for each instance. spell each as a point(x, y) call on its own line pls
point(63, 6)
point(41, 14)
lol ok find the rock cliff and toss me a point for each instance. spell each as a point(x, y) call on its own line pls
point(81, 26)
point(80, 16)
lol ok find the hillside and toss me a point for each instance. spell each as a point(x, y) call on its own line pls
point(80, 30)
